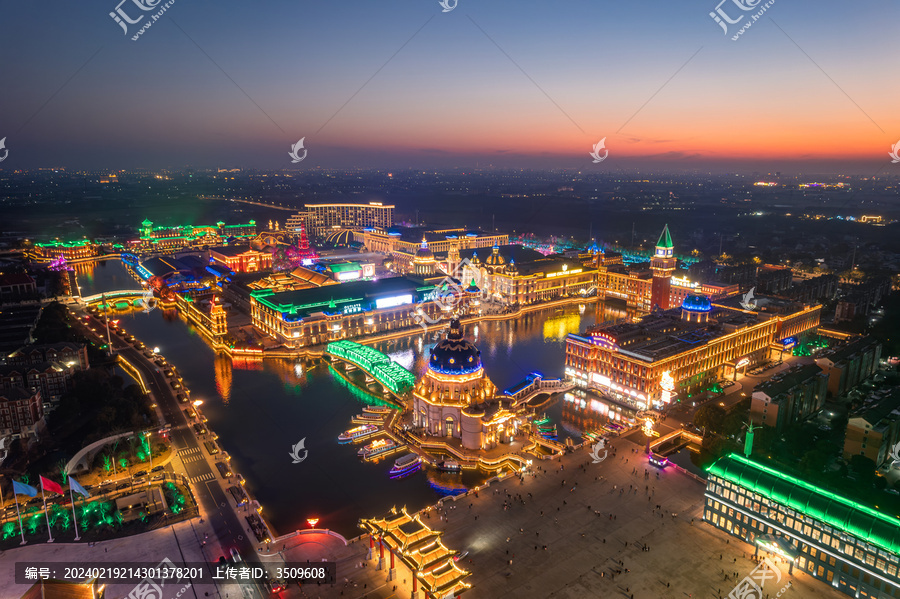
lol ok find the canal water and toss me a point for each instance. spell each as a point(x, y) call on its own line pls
point(261, 409)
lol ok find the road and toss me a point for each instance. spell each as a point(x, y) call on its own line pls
point(194, 465)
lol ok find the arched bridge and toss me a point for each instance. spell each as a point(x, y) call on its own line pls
point(394, 377)
point(111, 295)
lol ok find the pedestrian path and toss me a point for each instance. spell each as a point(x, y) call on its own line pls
point(202, 478)
point(190, 455)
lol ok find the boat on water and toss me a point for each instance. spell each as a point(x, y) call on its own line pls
point(357, 433)
point(448, 466)
point(376, 410)
point(368, 418)
point(405, 465)
point(544, 420)
point(376, 448)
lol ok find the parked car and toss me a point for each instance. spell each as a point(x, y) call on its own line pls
point(158, 469)
point(139, 474)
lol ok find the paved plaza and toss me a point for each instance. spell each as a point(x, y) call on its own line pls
point(575, 537)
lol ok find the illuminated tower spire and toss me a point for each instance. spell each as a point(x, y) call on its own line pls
point(662, 264)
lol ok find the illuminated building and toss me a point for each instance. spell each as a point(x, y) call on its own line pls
point(321, 314)
point(299, 278)
point(351, 271)
point(424, 264)
point(69, 250)
point(456, 399)
point(240, 258)
point(532, 278)
point(419, 550)
point(403, 243)
point(850, 546)
point(789, 397)
point(322, 219)
point(697, 346)
point(167, 238)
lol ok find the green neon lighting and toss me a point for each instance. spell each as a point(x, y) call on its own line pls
point(387, 372)
point(835, 510)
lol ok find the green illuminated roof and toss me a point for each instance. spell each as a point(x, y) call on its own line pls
point(344, 267)
point(839, 512)
point(665, 240)
point(64, 244)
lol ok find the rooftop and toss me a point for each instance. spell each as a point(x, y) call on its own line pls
point(663, 334)
point(880, 409)
point(787, 380)
point(318, 299)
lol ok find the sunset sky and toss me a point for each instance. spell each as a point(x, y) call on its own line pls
point(507, 83)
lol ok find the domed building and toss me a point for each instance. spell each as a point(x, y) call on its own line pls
point(696, 308)
point(424, 264)
point(455, 398)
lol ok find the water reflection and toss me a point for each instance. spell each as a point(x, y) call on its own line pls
point(222, 366)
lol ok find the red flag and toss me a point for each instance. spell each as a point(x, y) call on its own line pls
point(49, 485)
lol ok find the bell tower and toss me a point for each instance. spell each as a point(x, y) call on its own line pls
point(662, 264)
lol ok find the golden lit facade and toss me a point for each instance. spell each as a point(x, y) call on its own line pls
point(455, 398)
point(439, 241)
point(541, 280)
point(677, 354)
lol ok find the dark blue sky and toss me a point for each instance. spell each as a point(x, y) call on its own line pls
point(510, 83)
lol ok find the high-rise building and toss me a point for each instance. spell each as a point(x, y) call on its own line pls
point(322, 219)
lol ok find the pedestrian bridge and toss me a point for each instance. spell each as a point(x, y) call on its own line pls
point(111, 295)
point(391, 375)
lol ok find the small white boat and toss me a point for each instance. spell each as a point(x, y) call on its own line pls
point(406, 465)
point(368, 418)
point(357, 433)
point(376, 410)
point(376, 447)
point(448, 466)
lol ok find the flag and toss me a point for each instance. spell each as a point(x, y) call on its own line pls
point(74, 486)
point(49, 485)
point(23, 489)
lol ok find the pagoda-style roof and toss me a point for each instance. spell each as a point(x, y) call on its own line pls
point(420, 549)
point(444, 580)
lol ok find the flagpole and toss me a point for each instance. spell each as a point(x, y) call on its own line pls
point(46, 511)
point(72, 498)
point(19, 516)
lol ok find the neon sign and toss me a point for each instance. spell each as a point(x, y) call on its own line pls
point(393, 301)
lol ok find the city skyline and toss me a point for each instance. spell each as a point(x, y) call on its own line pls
point(520, 85)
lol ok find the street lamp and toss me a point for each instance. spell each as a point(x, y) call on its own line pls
point(155, 350)
point(198, 402)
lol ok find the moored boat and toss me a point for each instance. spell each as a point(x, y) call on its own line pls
point(377, 410)
point(368, 418)
point(544, 420)
point(359, 432)
point(405, 465)
point(448, 466)
point(377, 447)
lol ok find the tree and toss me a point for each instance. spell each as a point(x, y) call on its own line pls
point(813, 462)
point(61, 466)
point(711, 417)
